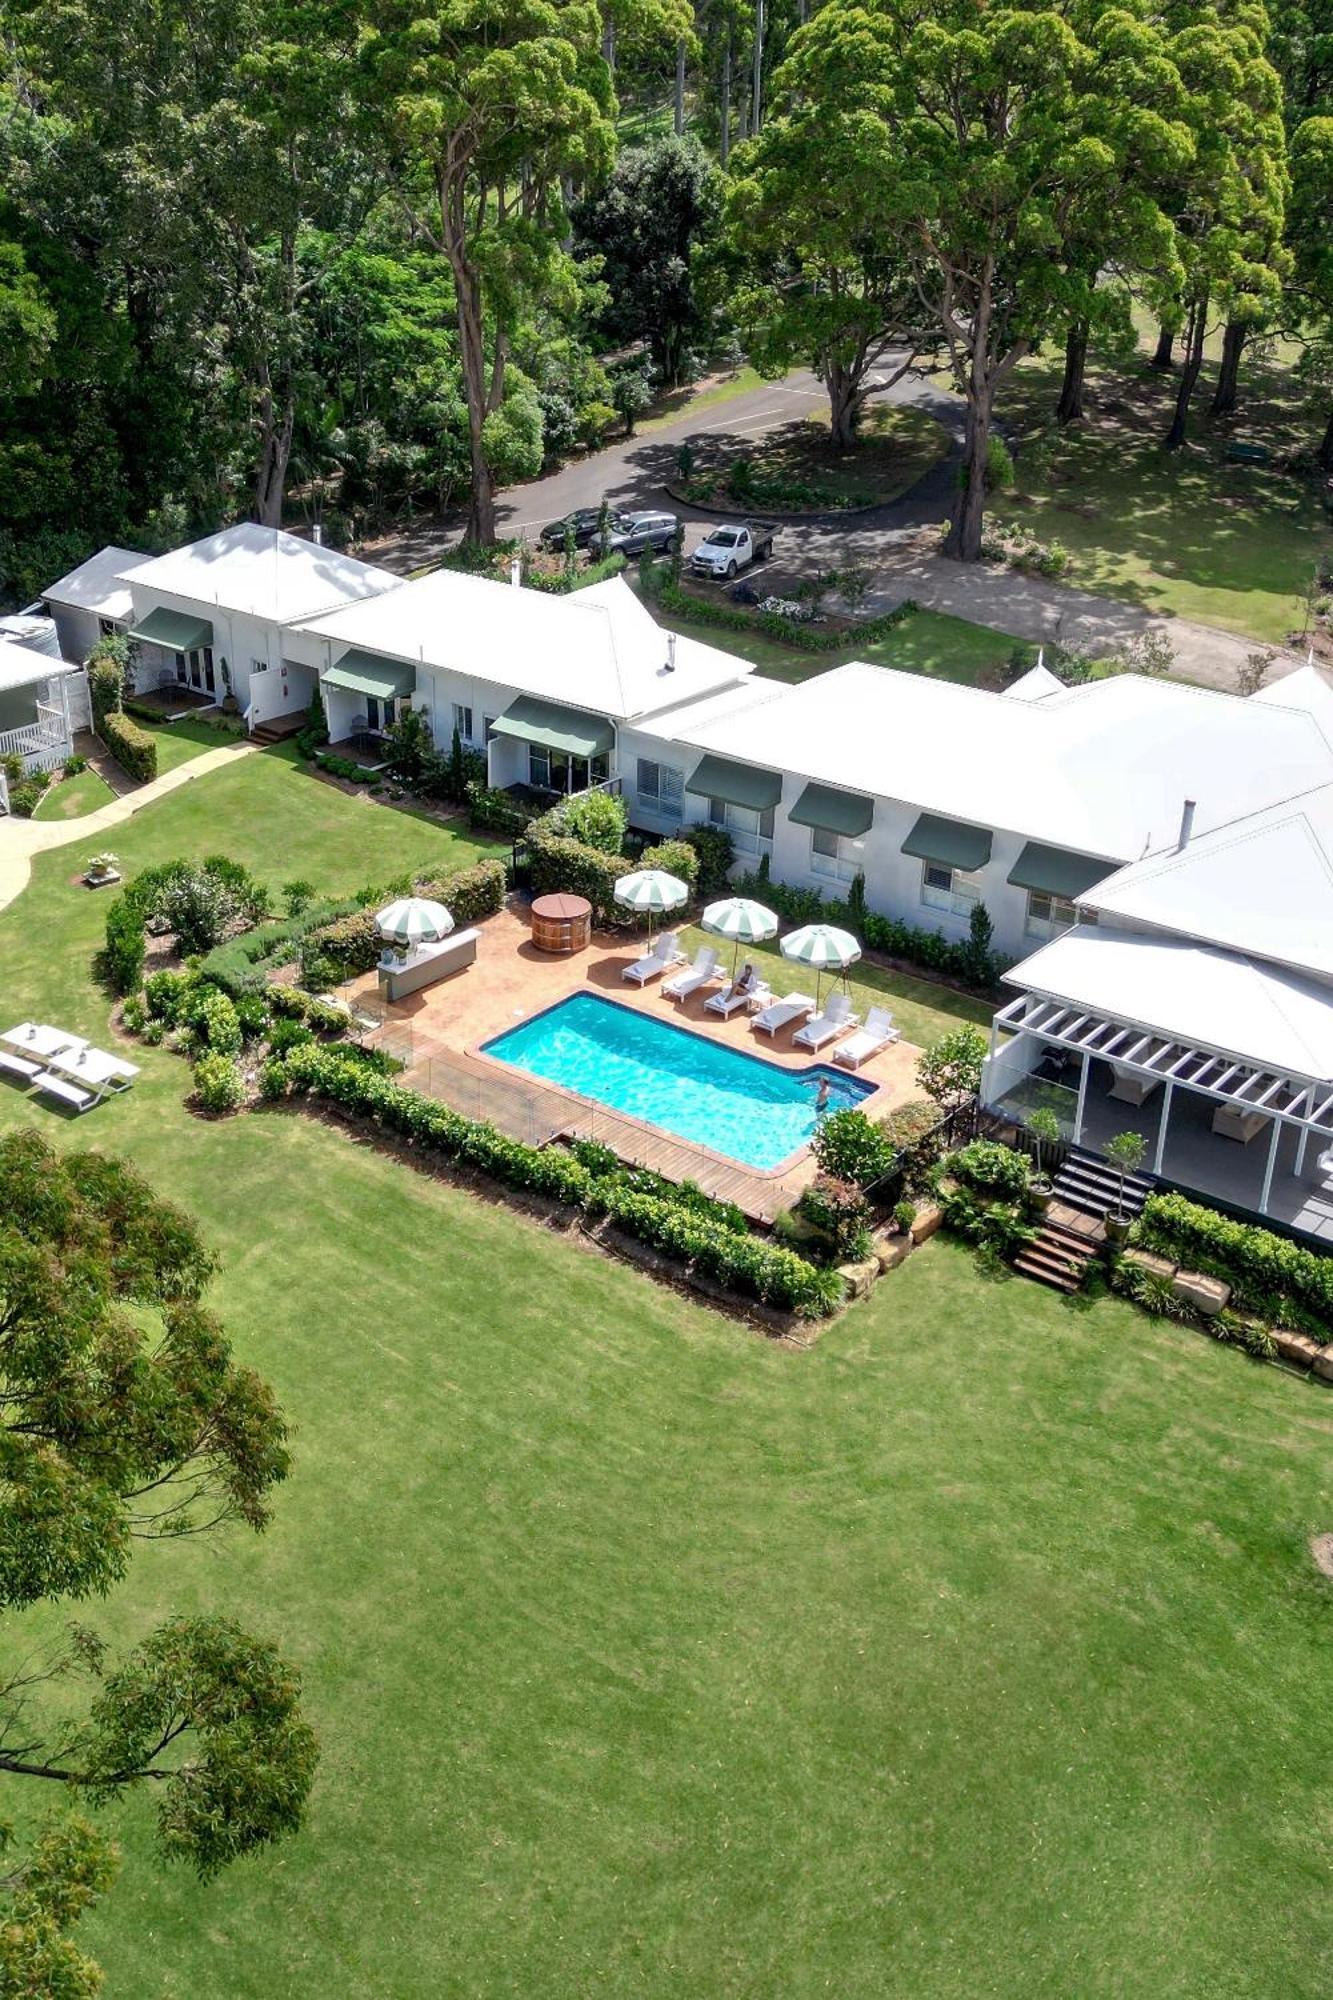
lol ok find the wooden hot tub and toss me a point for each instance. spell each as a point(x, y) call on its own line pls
point(561, 923)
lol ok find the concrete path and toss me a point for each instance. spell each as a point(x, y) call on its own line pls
point(20, 839)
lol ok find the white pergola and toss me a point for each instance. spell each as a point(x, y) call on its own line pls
point(1304, 1103)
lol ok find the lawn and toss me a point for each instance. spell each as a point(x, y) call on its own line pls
point(73, 798)
point(692, 397)
point(896, 446)
point(974, 1652)
point(178, 742)
point(926, 642)
point(1183, 534)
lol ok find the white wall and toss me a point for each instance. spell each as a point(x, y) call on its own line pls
point(78, 631)
point(239, 640)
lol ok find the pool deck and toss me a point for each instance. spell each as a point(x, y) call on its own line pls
point(438, 1033)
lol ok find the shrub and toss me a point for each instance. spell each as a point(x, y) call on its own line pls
point(997, 1226)
point(214, 1018)
point(979, 955)
point(133, 748)
point(989, 1168)
point(252, 1013)
point(675, 857)
point(598, 819)
point(341, 950)
point(1268, 1274)
point(123, 952)
point(848, 1147)
point(494, 811)
point(27, 795)
point(285, 1034)
point(560, 863)
point(908, 1124)
point(107, 666)
point(134, 1014)
point(73, 766)
point(408, 745)
point(930, 950)
point(470, 894)
point(904, 1214)
point(841, 1211)
point(294, 1005)
point(950, 1069)
point(165, 994)
point(218, 1084)
point(298, 896)
point(713, 846)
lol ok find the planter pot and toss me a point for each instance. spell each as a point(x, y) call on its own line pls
point(102, 880)
point(230, 705)
point(1117, 1231)
point(1041, 1198)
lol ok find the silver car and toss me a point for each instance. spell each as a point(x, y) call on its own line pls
point(631, 534)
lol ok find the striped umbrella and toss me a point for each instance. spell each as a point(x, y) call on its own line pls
point(824, 947)
point(653, 890)
point(413, 920)
point(744, 922)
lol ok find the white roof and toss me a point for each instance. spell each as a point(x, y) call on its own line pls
point(1305, 688)
point(1263, 885)
point(99, 584)
point(1103, 768)
point(20, 666)
point(596, 649)
point(262, 571)
point(1035, 685)
point(1210, 999)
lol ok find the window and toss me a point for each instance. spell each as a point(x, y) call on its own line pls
point(539, 767)
point(488, 727)
point(181, 669)
point(833, 856)
point(751, 832)
point(108, 628)
point(463, 721)
point(951, 890)
point(661, 789)
point(259, 666)
point(556, 771)
point(1047, 915)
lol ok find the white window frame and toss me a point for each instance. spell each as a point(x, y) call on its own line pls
point(839, 861)
point(258, 667)
point(665, 796)
point(751, 832)
point(488, 723)
point(1047, 916)
point(956, 897)
point(463, 720)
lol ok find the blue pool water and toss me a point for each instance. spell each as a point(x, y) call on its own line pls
point(705, 1091)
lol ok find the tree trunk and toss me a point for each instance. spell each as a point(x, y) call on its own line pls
point(724, 148)
point(845, 399)
point(1326, 448)
point(1228, 375)
point(277, 420)
point(1166, 340)
point(758, 83)
point(1070, 406)
point(472, 352)
point(1189, 374)
point(963, 543)
point(680, 89)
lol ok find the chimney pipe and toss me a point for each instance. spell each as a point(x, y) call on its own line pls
point(317, 535)
point(671, 653)
point(516, 572)
point(1186, 824)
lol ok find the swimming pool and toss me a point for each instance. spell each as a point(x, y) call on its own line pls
point(716, 1096)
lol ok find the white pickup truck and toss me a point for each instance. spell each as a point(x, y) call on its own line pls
point(732, 547)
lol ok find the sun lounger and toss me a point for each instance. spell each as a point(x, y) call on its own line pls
point(682, 984)
point(877, 1033)
point(781, 1013)
point(20, 1066)
point(835, 1020)
point(731, 997)
point(68, 1093)
point(665, 953)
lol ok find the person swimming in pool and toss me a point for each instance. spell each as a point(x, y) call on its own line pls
point(823, 1095)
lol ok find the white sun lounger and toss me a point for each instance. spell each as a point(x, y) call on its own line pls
point(682, 984)
point(877, 1033)
point(781, 1013)
point(835, 1020)
point(731, 997)
point(665, 953)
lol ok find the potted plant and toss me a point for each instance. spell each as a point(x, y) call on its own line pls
point(103, 868)
point(1124, 1155)
point(1044, 1128)
point(904, 1215)
point(230, 705)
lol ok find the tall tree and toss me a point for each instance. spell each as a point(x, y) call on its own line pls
point(489, 109)
point(123, 1416)
point(1311, 241)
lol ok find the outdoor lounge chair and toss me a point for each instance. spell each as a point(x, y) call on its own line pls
point(749, 990)
point(665, 953)
point(877, 1033)
point(781, 1013)
point(682, 984)
point(835, 1020)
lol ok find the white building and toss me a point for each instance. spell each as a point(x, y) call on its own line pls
point(42, 702)
point(93, 602)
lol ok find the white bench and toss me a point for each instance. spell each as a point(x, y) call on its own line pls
point(69, 1093)
point(19, 1065)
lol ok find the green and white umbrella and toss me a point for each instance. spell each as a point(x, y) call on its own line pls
point(413, 920)
point(741, 920)
point(824, 947)
point(651, 890)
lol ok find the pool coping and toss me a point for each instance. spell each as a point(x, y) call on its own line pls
point(479, 1052)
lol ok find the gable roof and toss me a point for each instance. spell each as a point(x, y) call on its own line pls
point(21, 666)
point(1307, 689)
point(263, 572)
point(99, 584)
point(597, 649)
point(1035, 685)
point(1263, 884)
point(1100, 769)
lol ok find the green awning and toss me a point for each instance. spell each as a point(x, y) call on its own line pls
point(845, 813)
point(1053, 871)
point(735, 784)
point(177, 631)
point(367, 673)
point(949, 842)
point(554, 727)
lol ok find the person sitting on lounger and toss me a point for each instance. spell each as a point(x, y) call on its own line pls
point(745, 980)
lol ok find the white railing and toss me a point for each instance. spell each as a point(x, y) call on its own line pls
point(42, 744)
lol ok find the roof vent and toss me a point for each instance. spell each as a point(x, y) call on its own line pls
point(516, 572)
point(671, 653)
point(1186, 824)
point(317, 534)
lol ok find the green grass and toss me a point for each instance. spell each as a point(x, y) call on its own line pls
point(179, 742)
point(922, 1008)
point(688, 401)
point(927, 642)
point(975, 1652)
point(896, 446)
point(74, 797)
point(1183, 534)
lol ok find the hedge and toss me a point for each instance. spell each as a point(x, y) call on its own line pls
point(1270, 1275)
point(497, 812)
point(763, 1271)
point(561, 864)
point(237, 965)
point(351, 945)
point(562, 585)
point(889, 935)
point(676, 857)
point(801, 638)
point(133, 748)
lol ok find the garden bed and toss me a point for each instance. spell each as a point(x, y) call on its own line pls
point(797, 471)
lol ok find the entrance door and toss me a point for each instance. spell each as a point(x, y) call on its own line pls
point(210, 678)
